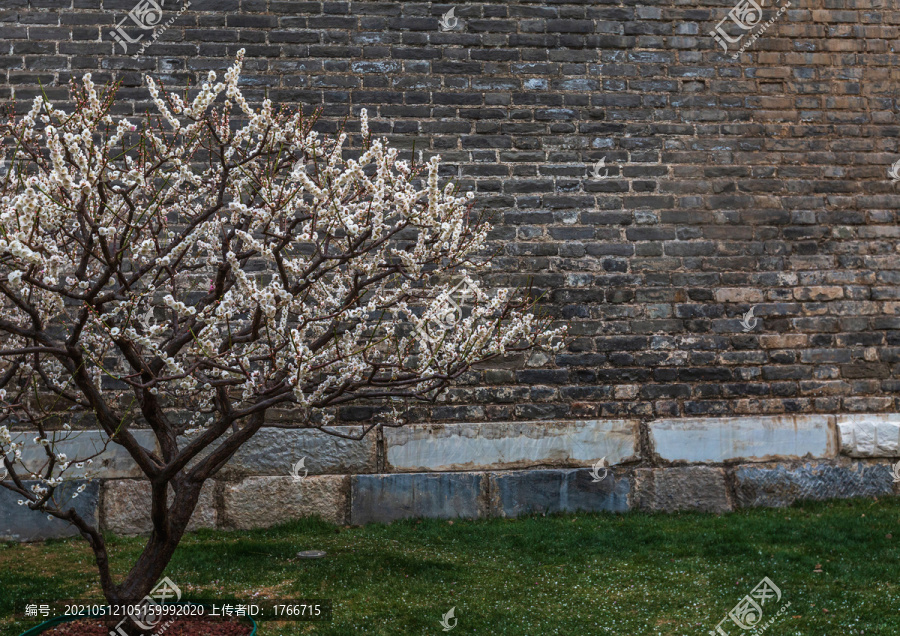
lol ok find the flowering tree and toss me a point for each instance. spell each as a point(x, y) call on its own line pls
point(219, 260)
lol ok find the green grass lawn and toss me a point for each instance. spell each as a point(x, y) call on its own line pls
point(576, 574)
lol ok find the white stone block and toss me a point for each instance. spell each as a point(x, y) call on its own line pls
point(870, 435)
point(509, 445)
point(748, 438)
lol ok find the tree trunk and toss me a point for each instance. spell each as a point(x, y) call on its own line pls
point(150, 566)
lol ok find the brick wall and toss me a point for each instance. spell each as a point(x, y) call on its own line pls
point(760, 182)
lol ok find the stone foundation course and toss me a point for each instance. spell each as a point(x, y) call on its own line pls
point(502, 469)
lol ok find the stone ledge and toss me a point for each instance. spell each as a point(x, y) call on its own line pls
point(716, 440)
point(509, 445)
point(870, 435)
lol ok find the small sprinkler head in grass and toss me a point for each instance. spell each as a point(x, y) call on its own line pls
point(311, 554)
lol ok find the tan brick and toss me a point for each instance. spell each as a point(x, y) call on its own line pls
point(738, 295)
point(783, 341)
